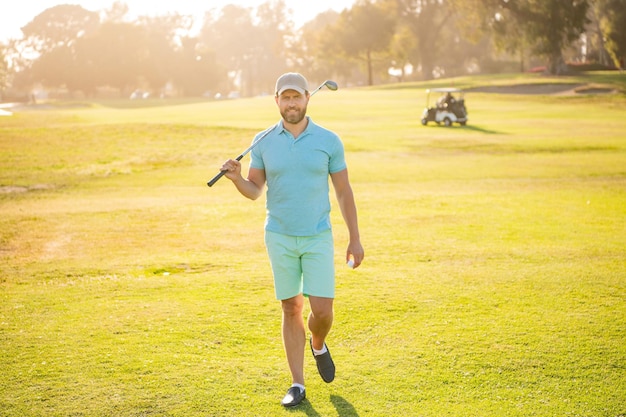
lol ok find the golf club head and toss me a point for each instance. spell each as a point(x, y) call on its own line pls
point(331, 85)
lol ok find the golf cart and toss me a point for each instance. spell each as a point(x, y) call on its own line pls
point(448, 109)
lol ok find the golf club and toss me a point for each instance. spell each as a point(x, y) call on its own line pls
point(331, 85)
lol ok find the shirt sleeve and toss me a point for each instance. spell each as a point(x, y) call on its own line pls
point(256, 161)
point(337, 159)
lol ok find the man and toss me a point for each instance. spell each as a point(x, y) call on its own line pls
point(446, 100)
point(295, 160)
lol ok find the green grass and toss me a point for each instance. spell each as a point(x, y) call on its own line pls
point(494, 282)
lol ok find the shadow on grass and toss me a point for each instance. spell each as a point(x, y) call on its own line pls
point(305, 407)
point(343, 407)
point(481, 130)
point(469, 127)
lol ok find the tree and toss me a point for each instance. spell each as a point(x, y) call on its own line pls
point(363, 34)
point(235, 48)
point(52, 38)
point(402, 47)
point(197, 71)
point(160, 44)
point(60, 26)
point(252, 49)
point(427, 19)
point(611, 16)
point(4, 70)
point(551, 26)
point(117, 54)
point(116, 13)
point(594, 40)
point(545, 27)
point(306, 54)
point(270, 59)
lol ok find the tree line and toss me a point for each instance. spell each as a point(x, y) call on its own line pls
point(243, 49)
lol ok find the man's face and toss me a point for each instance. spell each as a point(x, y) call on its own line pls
point(292, 106)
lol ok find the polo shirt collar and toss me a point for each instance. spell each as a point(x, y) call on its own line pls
point(306, 131)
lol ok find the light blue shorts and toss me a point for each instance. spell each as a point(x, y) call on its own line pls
point(302, 264)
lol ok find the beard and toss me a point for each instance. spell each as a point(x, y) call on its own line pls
point(293, 115)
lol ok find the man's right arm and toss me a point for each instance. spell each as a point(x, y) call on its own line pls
point(252, 187)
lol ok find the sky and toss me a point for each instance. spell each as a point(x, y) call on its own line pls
point(21, 12)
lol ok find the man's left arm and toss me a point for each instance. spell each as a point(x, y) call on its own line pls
point(345, 198)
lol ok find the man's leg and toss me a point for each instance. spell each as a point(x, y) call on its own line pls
point(320, 320)
point(294, 337)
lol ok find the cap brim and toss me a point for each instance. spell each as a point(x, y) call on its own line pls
point(290, 87)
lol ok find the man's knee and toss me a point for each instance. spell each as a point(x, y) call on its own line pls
point(293, 306)
point(322, 308)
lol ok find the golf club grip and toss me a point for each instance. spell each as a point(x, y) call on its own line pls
point(221, 174)
point(215, 178)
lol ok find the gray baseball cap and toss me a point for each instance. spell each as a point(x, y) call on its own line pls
point(291, 81)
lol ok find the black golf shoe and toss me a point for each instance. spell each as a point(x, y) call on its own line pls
point(325, 364)
point(294, 396)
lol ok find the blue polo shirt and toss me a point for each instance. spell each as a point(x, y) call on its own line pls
point(296, 171)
